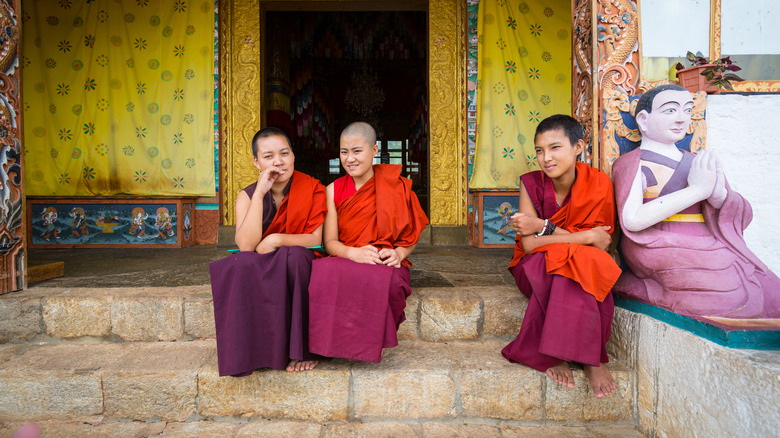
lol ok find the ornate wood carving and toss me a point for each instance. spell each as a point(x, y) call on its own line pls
point(447, 94)
point(617, 54)
point(241, 95)
point(582, 71)
point(12, 207)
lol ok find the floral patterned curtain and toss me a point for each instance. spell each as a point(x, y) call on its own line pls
point(524, 76)
point(118, 97)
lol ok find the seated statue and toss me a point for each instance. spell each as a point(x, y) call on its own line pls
point(682, 223)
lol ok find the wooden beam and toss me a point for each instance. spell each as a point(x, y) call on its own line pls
point(48, 271)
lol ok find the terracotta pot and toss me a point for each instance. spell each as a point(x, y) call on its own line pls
point(692, 79)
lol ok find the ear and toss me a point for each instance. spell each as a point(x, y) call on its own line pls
point(376, 149)
point(641, 120)
point(256, 163)
point(579, 146)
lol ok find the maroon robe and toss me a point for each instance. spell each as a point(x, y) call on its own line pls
point(563, 321)
point(261, 300)
point(356, 308)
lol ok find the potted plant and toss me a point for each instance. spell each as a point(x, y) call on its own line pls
point(711, 76)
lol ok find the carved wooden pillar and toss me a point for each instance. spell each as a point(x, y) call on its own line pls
point(12, 233)
point(241, 95)
point(447, 94)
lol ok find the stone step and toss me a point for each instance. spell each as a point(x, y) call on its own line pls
point(45, 314)
point(281, 428)
point(459, 381)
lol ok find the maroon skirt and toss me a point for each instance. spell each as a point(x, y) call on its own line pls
point(261, 309)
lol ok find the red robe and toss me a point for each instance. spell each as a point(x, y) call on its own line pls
point(569, 315)
point(355, 309)
point(261, 300)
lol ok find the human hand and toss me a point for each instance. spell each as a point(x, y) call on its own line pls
point(703, 174)
point(368, 254)
point(266, 179)
point(526, 225)
point(720, 192)
point(271, 243)
point(600, 237)
point(390, 257)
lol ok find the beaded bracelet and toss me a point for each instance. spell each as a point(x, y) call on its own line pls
point(549, 228)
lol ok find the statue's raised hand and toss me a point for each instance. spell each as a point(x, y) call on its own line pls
point(703, 174)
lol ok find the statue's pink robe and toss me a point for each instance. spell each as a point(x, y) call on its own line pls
point(695, 269)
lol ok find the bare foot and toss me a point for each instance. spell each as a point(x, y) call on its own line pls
point(301, 365)
point(601, 380)
point(562, 374)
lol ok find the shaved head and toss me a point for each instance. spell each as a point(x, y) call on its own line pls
point(362, 130)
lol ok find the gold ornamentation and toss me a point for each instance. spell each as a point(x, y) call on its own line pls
point(241, 95)
point(447, 52)
point(240, 81)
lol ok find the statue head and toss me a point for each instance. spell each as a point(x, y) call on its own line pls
point(663, 113)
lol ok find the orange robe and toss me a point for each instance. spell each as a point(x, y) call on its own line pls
point(305, 213)
point(591, 204)
point(355, 309)
point(570, 309)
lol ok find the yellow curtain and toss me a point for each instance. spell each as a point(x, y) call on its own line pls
point(118, 97)
point(524, 76)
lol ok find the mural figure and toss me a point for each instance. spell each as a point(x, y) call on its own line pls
point(163, 223)
point(187, 225)
point(505, 212)
point(683, 224)
point(79, 222)
point(138, 226)
point(107, 220)
point(51, 230)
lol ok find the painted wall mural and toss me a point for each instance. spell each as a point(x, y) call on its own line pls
point(11, 189)
point(81, 223)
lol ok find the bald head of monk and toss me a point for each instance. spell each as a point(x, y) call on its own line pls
point(357, 149)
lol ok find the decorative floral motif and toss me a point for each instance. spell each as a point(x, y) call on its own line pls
point(101, 149)
point(501, 43)
point(510, 67)
point(189, 118)
point(533, 116)
point(499, 87)
point(54, 153)
point(140, 132)
point(511, 23)
point(88, 128)
point(89, 41)
point(129, 18)
point(178, 182)
point(178, 138)
point(140, 88)
point(53, 108)
point(102, 104)
point(545, 100)
point(128, 151)
point(90, 84)
point(190, 29)
point(178, 51)
point(180, 6)
point(140, 44)
point(497, 131)
point(130, 62)
point(130, 107)
point(88, 173)
point(536, 29)
point(65, 134)
point(64, 178)
point(509, 153)
point(64, 46)
point(140, 176)
point(546, 56)
point(190, 163)
point(178, 94)
point(50, 63)
point(548, 12)
point(509, 109)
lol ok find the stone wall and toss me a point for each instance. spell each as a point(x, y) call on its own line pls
point(687, 386)
point(743, 131)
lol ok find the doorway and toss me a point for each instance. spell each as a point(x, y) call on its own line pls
point(327, 69)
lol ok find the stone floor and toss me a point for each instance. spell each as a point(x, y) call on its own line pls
point(434, 266)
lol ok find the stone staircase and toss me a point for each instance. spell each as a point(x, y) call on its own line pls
point(142, 362)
